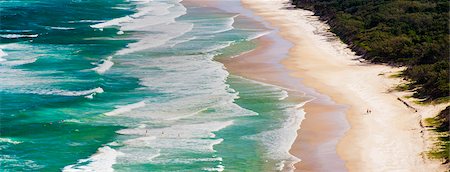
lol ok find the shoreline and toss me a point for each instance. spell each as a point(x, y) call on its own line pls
point(389, 138)
point(323, 117)
point(324, 121)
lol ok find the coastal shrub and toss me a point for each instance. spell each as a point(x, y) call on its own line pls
point(440, 124)
point(412, 33)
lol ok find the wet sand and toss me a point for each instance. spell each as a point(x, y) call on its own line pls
point(324, 121)
point(387, 139)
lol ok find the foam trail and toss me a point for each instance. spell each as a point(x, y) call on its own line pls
point(258, 35)
point(228, 26)
point(284, 95)
point(217, 168)
point(86, 21)
point(187, 116)
point(62, 28)
point(2, 54)
point(19, 62)
point(279, 141)
point(68, 93)
point(125, 108)
point(104, 66)
point(8, 140)
point(103, 161)
point(169, 32)
point(15, 36)
point(113, 22)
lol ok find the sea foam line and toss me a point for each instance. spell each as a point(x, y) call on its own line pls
point(69, 93)
point(8, 140)
point(140, 21)
point(104, 65)
point(18, 62)
point(126, 108)
point(229, 24)
point(103, 161)
point(15, 36)
point(2, 54)
point(61, 28)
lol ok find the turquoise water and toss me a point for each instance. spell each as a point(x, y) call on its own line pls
point(133, 86)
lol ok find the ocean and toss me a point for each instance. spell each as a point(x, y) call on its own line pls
point(133, 85)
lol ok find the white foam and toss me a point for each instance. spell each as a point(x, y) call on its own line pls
point(146, 10)
point(189, 160)
point(9, 140)
point(182, 41)
point(68, 93)
point(126, 108)
point(15, 36)
point(121, 8)
point(139, 141)
point(188, 115)
point(159, 14)
point(168, 32)
point(103, 161)
point(217, 168)
point(114, 144)
point(169, 141)
point(258, 35)
point(104, 65)
point(86, 21)
point(138, 155)
point(284, 95)
point(142, 18)
point(120, 32)
point(90, 96)
point(279, 141)
point(280, 165)
point(184, 119)
point(228, 25)
point(72, 121)
point(62, 28)
point(15, 31)
point(113, 22)
point(19, 62)
point(2, 54)
point(202, 130)
point(151, 16)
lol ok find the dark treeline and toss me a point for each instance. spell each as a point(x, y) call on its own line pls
point(412, 33)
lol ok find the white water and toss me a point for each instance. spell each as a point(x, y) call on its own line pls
point(97, 90)
point(9, 140)
point(196, 101)
point(104, 65)
point(15, 36)
point(101, 161)
point(125, 108)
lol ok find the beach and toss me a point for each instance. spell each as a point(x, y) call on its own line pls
point(389, 138)
point(196, 85)
point(140, 86)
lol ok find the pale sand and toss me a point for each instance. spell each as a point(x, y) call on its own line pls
point(324, 121)
point(388, 139)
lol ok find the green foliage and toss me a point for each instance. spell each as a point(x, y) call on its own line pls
point(412, 33)
point(440, 124)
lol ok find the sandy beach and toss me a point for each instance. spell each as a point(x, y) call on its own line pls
point(389, 138)
point(324, 120)
point(223, 85)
